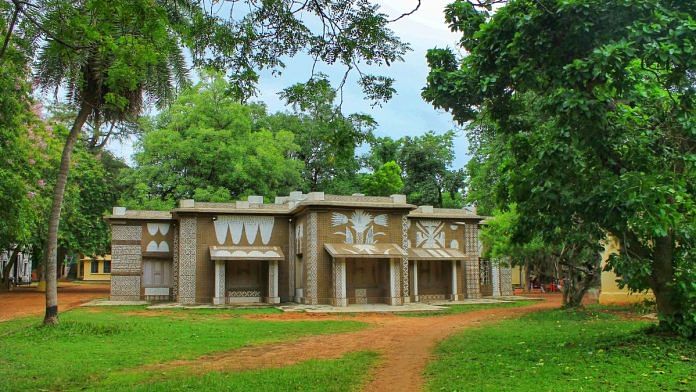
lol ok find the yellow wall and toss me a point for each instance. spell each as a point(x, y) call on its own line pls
point(611, 293)
point(87, 268)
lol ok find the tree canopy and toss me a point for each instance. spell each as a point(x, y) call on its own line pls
point(594, 102)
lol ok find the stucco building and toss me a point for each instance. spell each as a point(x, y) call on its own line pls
point(306, 248)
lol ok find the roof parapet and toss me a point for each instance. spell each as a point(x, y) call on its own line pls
point(187, 203)
point(398, 199)
point(254, 199)
point(119, 211)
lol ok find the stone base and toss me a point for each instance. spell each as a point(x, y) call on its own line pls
point(340, 302)
point(272, 300)
point(218, 300)
point(454, 297)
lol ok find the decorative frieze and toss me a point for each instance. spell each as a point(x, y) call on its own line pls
point(404, 260)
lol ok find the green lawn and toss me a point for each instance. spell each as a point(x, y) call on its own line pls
point(455, 309)
point(563, 351)
point(90, 343)
point(344, 374)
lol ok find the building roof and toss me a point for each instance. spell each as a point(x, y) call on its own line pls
point(295, 203)
point(435, 254)
point(362, 251)
point(246, 253)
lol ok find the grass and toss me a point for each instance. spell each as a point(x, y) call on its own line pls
point(89, 344)
point(343, 374)
point(456, 309)
point(564, 350)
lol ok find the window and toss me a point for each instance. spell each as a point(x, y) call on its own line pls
point(94, 267)
point(107, 266)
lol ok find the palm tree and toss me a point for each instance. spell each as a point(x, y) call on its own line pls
point(109, 61)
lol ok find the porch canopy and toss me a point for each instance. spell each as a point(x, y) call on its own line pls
point(247, 253)
point(380, 251)
point(435, 254)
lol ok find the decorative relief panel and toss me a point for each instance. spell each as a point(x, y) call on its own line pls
point(405, 224)
point(361, 227)
point(187, 260)
point(126, 233)
point(430, 234)
point(505, 281)
point(125, 258)
point(251, 226)
point(125, 288)
point(299, 237)
point(312, 259)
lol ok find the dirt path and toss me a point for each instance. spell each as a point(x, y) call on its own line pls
point(28, 301)
point(405, 343)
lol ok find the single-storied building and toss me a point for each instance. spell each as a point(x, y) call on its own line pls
point(307, 248)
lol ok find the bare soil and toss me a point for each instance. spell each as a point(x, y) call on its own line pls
point(28, 301)
point(406, 345)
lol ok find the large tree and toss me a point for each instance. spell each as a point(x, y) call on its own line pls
point(209, 147)
point(611, 88)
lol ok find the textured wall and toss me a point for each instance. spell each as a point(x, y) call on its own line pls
point(126, 262)
point(187, 260)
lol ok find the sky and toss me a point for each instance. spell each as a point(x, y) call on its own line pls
point(406, 114)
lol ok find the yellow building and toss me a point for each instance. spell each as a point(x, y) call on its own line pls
point(95, 268)
point(611, 293)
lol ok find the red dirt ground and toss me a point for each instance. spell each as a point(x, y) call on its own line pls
point(406, 345)
point(28, 301)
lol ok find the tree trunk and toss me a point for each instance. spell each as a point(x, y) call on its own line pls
point(6, 282)
point(51, 316)
point(663, 276)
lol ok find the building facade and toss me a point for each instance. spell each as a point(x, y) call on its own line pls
point(306, 248)
point(95, 268)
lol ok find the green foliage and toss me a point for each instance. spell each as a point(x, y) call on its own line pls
point(425, 161)
point(580, 350)
point(208, 146)
point(91, 346)
point(589, 106)
point(326, 137)
point(385, 181)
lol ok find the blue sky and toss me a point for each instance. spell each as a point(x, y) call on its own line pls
point(406, 113)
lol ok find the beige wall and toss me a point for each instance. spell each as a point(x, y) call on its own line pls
point(610, 292)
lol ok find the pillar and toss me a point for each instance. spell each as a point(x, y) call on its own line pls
point(311, 262)
point(453, 294)
point(394, 282)
point(219, 298)
point(416, 298)
point(495, 278)
point(187, 260)
point(273, 297)
point(339, 268)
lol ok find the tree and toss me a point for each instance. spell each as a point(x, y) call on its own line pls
point(596, 101)
point(426, 160)
point(385, 181)
point(209, 147)
point(326, 137)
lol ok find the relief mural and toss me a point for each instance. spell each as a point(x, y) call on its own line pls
point(250, 225)
point(430, 234)
point(153, 229)
point(360, 227)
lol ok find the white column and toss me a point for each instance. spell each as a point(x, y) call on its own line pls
point(340, 298)
point(219, 298)
point(454, 295)
point(273, 297)
point(415, 281)
point(394, 267)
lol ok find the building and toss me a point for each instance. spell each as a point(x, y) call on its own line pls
point(95, 268)
point(306, 248)
point(21, 272)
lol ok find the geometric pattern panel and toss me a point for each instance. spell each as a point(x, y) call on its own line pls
point(187, 260)
point(126, 233)
point(471, 270)
point(312, 260)
point(404, 260)
point(126, 258)
point(505, 281)
point(125, 288)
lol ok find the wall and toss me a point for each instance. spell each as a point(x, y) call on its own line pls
point(610, 292)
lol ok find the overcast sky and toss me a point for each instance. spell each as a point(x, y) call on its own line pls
point(406, 113)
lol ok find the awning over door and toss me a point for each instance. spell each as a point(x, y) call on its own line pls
point(246, 253)
point(435, 254)
point(364, 251)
